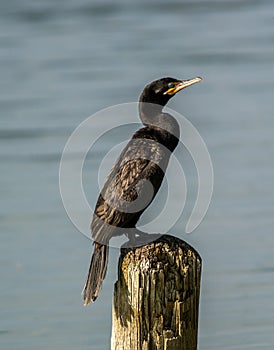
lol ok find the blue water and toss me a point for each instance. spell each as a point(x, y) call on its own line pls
point(61, 61)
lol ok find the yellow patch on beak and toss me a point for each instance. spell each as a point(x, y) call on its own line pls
point(170, 91)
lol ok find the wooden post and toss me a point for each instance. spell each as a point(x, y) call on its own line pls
point(156, 297)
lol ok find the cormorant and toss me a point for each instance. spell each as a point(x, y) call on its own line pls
point(145, 158)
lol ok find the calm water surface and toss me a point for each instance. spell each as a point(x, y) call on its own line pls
point(62, 61)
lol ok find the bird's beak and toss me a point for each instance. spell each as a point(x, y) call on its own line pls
point(182, 85)
point(186, 83)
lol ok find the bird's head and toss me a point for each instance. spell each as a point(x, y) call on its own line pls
point(161, 90)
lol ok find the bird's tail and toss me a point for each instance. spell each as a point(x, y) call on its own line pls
point(96, 274)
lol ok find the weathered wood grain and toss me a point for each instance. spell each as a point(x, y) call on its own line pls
point(156, 297)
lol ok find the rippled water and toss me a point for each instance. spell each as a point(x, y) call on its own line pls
point(62, 61)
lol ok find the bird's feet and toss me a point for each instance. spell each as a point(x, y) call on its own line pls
point(137, 237)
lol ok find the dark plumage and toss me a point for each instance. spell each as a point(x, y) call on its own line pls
point(128, 191)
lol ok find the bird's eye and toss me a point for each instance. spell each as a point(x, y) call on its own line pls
point(171, 85)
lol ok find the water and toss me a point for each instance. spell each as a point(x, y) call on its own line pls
point(63, 61)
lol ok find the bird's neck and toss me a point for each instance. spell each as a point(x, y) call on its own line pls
point(152, 115)
point(149, 112)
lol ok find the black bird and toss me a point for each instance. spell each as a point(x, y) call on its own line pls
point(135, 177)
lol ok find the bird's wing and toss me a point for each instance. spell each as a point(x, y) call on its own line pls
point(130, 187)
